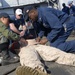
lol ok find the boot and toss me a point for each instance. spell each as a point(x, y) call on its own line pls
point(24, 70)
point(6, 59)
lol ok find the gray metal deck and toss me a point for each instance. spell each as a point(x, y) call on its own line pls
point(56, 69)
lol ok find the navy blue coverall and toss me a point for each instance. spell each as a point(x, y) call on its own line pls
point(72, 10)
point(66, 10)
point(53, 20)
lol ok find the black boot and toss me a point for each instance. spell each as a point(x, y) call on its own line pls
point(6, 59)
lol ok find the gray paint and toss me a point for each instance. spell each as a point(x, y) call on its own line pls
point(13, 3)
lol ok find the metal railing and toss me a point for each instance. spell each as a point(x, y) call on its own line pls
point(54, 3)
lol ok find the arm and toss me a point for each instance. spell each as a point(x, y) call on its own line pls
point(54, 24)
point(72, 10)
point(24, 28)
point(8, 34)
point(41, 34)
point(22, 33)
point(13, 28)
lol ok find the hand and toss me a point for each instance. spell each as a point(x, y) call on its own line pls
point(22, 33)
point(23, 42)
point(24, 28)
point(38, 39)
point(43, 41)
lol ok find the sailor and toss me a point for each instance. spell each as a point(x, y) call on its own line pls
point(53, 21)
point(5, 35)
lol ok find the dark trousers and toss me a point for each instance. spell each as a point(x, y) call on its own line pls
point(4, 46)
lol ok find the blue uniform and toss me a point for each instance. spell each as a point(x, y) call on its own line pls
point(66, 10)
point(72, 10)
point(40, 29)
point(53, 21)
point(18, 22)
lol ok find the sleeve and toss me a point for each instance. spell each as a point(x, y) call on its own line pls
point(8, 33)
point(12, 19)
point(41, 34)
point(54, 24)
point(71, 12)
point(72, 9)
